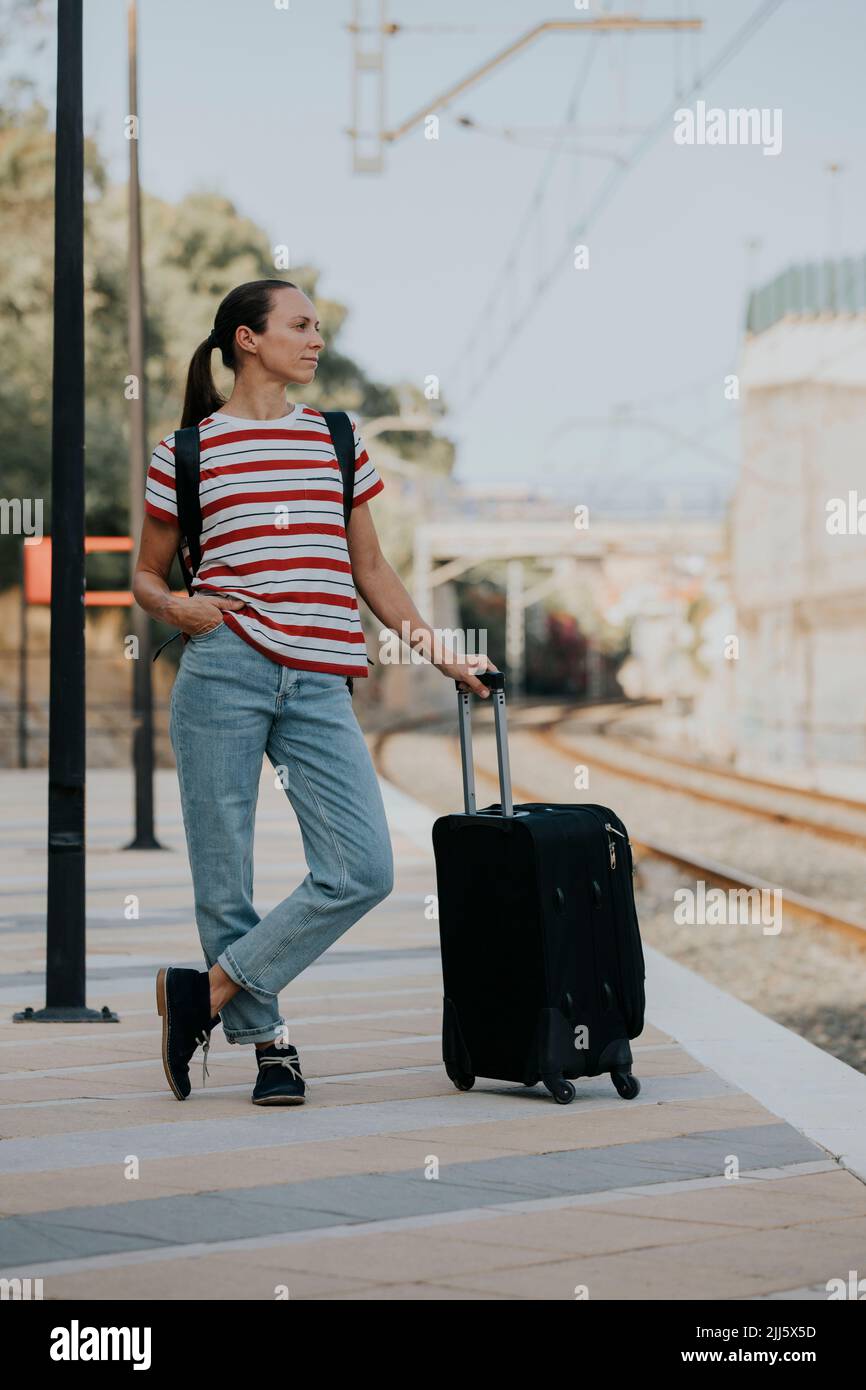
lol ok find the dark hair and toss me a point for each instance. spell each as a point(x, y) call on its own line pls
point(247, 305)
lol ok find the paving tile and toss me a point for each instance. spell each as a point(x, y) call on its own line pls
point(236, 1277)
point(743, 1265)
point(418, 1256)
point(618, 1124)
point(491, 1244)
point(782, 1202)
point(415, 1293)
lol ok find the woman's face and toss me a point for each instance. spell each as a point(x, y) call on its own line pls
point(290, 346)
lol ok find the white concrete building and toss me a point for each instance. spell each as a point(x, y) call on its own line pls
point(798, 533)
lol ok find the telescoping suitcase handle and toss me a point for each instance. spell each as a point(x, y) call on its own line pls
point(495, 682)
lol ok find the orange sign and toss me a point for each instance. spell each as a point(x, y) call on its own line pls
point(37, 572)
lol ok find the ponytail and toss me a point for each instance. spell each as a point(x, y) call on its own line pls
point(201, 397)
point(248, 305)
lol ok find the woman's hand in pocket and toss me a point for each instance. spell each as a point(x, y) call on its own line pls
point(197, 615)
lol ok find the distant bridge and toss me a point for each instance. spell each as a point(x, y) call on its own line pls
point(445, 549)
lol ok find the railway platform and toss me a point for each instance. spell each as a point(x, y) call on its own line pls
point(739, 1172)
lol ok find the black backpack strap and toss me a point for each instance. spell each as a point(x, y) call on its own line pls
point(187, 472)
point(340, 426)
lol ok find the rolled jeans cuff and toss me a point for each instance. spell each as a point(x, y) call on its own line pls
point(256, 1035)
point(227, 962)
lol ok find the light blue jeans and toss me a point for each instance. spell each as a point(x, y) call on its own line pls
point(231, 706)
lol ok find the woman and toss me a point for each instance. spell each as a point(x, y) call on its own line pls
point(272, 632)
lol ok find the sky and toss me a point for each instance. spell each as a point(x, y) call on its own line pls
point(253, 100)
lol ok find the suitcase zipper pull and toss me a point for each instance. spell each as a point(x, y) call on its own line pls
point(611, 844)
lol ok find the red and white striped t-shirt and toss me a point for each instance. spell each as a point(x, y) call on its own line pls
point(273, 535)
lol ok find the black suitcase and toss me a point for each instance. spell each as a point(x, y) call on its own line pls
point(542, 963)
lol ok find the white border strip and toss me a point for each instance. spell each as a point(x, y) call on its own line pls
point(823, 1098)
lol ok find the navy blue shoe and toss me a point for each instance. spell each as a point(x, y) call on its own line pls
point(279, 1080)
point(183, 1004)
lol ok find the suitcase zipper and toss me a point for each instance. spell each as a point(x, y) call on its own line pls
point(611, 844)
point(598, 813)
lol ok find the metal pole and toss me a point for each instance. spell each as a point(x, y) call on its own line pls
point(515, 624)
point(65, 981)
point(22, 669)
point(142, 691)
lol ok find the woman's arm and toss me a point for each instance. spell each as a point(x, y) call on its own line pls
point(159, 541)
point(387, 597)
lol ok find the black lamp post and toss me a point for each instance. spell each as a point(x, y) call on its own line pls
point(65, 979)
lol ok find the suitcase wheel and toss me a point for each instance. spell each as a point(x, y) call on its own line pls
point(627, 1085)
point(562, 1091)
point(462, 1080)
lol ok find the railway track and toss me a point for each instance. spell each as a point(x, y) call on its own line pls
point(647, 749)
point(711, 871)
point(573, 749)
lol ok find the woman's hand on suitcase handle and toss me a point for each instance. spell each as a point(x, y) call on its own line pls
point(465, 672)
point(197, 615)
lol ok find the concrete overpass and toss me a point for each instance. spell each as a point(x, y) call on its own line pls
point(517, 533)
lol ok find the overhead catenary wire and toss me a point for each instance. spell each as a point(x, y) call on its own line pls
point(536, 200)
point(608, 189)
